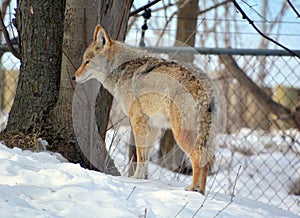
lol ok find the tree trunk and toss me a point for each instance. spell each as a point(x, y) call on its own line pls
point(80, 20)
point(78, 34)
point(42, 107)
point(114, 18)
point(186, 27)
point(40, 27)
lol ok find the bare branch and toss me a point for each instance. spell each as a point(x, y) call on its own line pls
point(4, 7)
point(213, 7)
point(7, 39)
point(165, 27)
point(251, 22)
point(294, 9)
point(255, 11)
point(143, 8)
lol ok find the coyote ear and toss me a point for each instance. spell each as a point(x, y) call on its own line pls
point(101, 36)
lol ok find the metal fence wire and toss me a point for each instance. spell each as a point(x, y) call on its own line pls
point(258, 155)
point(9, 73)
point(263, 145)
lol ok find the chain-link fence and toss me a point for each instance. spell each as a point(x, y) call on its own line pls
point(9, 72)
point(258, 155)
point(257, 140)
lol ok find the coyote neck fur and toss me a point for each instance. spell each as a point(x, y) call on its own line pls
point(127, 70)
point(119, 61)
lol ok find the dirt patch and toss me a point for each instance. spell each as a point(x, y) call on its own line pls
point(33, 142)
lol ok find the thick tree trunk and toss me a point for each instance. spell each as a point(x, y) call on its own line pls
point(43, 102)
point(40, 27)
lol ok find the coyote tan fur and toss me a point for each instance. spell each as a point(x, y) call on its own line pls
point(155, 94)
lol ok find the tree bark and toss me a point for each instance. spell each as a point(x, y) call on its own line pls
point(79, 23)
point(43, 102)
point(40, 27)
point(187, 22)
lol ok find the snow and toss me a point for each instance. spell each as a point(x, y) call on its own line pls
point(3, 120)
point(269, 164)
point(40, 185)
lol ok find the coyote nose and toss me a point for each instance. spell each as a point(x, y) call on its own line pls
point(74, 78)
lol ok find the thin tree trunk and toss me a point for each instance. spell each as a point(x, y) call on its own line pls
point(90, 106)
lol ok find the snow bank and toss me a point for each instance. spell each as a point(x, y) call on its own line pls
point(39, 185)
point(3, 120)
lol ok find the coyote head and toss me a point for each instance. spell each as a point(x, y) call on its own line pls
point(97, 57)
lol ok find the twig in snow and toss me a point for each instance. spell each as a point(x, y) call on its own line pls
point(201, 206)
point(131, 193)
point(215, 176)
point(232, 195)
point(181, 209)
point(217, 192)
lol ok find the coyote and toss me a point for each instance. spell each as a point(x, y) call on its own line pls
point(155, 94)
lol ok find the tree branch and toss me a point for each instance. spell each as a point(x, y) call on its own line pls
point(251, 22)
point(262, 98)
point(143, 8)
point(4, 7)
point(213, 7)
point(294, 9)
point(7, 39)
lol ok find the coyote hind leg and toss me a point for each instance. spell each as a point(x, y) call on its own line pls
point(141, 171)
point(199, 173)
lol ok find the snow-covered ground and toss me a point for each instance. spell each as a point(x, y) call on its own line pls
point(41, 185)
point(255, 164)
point(3, 120)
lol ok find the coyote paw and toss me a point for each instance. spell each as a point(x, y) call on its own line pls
point(195, 188)
point(139, 176)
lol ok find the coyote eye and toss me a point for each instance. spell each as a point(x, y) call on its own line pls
point(87, 61)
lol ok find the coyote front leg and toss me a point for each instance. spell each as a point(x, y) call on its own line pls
point(143, 139)
point(142, 162)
